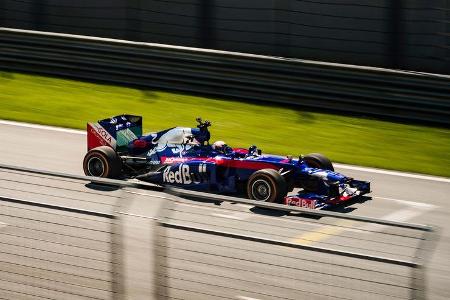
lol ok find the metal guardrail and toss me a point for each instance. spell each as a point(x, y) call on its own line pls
point(52, 250)
point(169, 247)
point(212, 197)
point(252, 259)
point(275, 206)
point(379, 92)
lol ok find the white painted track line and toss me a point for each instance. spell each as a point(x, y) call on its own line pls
point(3, 224)
point(392, 173)
point(246, 298)
point(235, 216)
point(42, 127)
point(412, 210)
point(401, 215)
point(421, 205)
point(341, 166)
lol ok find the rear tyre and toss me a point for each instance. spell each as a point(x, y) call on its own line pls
point(267, 185)
point(319, 161)
point(102, 162)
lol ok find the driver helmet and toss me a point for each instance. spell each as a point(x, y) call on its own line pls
point(219, 146)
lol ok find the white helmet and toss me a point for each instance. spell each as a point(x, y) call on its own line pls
point(218, 145)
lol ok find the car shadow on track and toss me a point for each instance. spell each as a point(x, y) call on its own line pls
point(101, 187)
point(268, 212)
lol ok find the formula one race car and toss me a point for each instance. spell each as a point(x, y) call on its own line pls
point(184, 157)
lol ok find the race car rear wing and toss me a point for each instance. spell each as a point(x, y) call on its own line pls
point(115, 132)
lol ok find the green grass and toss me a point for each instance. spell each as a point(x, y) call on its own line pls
point(275, 129)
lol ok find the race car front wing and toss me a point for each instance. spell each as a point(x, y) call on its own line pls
point(339, 193)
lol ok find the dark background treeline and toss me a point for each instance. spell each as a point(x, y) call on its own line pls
point(403, 34)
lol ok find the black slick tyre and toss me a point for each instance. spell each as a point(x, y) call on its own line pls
point(319, 161)
point(102, 162)
point(266, 185)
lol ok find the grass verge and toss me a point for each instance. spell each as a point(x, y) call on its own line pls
point(275, 129)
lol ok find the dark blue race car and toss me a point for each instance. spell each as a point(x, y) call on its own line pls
point(184, 157)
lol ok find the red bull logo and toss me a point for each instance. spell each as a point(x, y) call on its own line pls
point(182, 174)
point(300, 202)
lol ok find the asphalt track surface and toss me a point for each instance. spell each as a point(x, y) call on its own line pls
point(396, 196)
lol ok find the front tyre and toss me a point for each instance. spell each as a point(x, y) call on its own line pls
point(266, 185)
point(319, 161)
point(102, 162)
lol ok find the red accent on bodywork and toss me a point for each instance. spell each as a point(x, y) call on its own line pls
point(171, 160)
point(345, 198)
point(94, 140)
point(242, 151)
point(231, 163)
point(140, 143)
point(248, 164)
point(339, 199)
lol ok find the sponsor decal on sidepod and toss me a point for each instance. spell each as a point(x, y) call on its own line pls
point(182, 175)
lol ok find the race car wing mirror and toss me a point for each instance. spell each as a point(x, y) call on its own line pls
point(253, 150)
point(300, 159)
